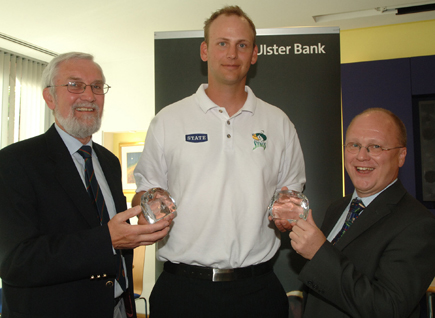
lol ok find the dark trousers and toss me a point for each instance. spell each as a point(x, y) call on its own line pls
point(255, 297)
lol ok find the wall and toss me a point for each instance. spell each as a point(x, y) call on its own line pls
point(130, 104)
point(388, 42)
point(386, 80)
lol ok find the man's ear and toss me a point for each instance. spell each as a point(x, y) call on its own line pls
point(204, 51)
point(402, 156)
point(49, 99)
point(254, 55)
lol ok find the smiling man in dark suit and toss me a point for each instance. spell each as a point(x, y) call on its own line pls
point(66, 246)
point(378, 259)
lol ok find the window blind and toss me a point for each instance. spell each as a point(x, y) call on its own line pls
point(23, 112)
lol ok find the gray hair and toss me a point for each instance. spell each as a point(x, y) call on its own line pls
point(50, 72)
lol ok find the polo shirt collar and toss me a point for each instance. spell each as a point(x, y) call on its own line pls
point(206, 103)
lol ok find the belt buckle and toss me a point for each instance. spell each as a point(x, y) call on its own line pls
point(223, 275)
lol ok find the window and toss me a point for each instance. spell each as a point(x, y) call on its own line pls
point(23, 112)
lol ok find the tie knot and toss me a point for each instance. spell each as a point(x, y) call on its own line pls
point(85, 151)
point(357, 206)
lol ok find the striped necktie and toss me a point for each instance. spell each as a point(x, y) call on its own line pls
point(96, 196)
point(356, 207)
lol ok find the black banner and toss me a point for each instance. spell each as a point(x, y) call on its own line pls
point(298, 70)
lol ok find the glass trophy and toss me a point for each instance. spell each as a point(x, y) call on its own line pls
point(157, 203)
point(288, 205)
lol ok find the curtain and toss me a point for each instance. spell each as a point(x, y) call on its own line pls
point(23, 112)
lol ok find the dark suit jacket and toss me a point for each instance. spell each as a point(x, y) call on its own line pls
point(381, 267)
point(55, 258)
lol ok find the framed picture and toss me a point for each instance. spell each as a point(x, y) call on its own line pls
point(129, 154)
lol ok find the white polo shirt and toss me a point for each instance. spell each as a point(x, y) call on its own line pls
point(222, 173)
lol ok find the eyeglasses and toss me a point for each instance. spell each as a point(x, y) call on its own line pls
point(79, 87)
point(354, 147)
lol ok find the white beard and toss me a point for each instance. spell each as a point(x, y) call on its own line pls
point(76, 127)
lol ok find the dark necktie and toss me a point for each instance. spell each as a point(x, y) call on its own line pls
point(96, 196)
point(356, 207)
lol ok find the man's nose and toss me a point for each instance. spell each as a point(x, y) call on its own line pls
point(363, 153)
point(88, 94)
point(232, 51)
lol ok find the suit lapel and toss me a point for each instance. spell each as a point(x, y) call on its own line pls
point(68, 177)
point(333, 214)
point(377, 209)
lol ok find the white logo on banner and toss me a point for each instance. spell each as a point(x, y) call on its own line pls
point(297, 48)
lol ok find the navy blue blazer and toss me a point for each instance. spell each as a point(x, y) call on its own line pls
point(55, 258)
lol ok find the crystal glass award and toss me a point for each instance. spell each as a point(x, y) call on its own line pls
point(289, 205)
point(157, 203)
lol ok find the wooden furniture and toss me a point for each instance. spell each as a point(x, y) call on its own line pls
point(138, 267)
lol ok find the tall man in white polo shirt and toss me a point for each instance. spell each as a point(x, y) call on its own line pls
point(221, 153)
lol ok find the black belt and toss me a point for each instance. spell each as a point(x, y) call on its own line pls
point(216, 274)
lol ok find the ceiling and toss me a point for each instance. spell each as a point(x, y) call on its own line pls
point(116, 30)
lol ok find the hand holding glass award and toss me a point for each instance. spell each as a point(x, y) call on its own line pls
point(157, 203)
point(289, 205)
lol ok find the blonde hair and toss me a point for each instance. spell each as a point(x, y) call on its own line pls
point(227, 10)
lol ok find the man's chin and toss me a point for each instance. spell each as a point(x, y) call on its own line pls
point(83, 134)
point(81, 129)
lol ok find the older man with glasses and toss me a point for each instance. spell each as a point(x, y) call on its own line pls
point(374, 255)
point(66, 246)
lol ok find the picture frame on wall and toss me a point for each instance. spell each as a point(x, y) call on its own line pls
point(129, 154)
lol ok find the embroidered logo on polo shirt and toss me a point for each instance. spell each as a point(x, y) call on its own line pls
point(259, 140)
point(197, 138)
